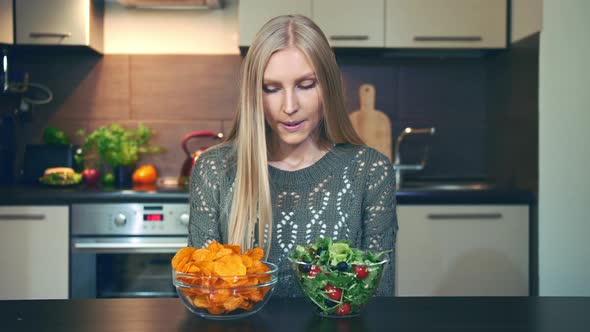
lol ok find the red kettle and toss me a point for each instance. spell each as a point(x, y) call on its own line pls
point(191, 158)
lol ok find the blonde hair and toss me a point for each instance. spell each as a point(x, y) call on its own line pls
point(251, 201)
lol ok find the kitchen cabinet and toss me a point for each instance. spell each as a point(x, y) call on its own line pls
point(462, 250)
point(346, 23)
point(351, 23)
point(526, 18)
point(34, 252)
point(60, 22)
point(453, 24)
point(6, 22)
point(252, 14)
point(449, 24)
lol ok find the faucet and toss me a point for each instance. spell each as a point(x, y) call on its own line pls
point(397, 165)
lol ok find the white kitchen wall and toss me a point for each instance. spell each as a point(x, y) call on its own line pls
point(564, 182)
point(148, 31)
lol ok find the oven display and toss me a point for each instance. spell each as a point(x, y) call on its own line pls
point(153, 217)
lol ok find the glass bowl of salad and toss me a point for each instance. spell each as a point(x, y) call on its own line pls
point(337, 279)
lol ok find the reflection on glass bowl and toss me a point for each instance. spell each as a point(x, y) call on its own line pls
point(204, 296)
point(336, 293)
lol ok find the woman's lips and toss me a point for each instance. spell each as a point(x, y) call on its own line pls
point(293, 125)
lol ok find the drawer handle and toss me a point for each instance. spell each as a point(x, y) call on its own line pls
point(448, 38)
point(443, 216)
point(22, 216)
point(351, 37)
point(50, 34)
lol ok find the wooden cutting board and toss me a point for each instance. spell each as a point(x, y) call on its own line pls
point(373, 126)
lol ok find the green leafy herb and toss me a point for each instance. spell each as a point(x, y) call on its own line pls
point(55, 136)
point(117, 146)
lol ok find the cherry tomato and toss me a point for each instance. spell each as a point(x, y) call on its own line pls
point(343, 309)
point(333, 293)
point(360, 271)
point(314, 271)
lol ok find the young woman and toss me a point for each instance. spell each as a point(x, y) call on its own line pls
point(292, 168)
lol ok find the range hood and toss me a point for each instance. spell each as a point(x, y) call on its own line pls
point(172, 4)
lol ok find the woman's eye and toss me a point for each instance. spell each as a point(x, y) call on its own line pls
point(269, 89)
point(307, 85)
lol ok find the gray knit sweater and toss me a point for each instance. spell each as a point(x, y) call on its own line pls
point(347, 194)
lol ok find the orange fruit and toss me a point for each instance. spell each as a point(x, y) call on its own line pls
point(145, 174)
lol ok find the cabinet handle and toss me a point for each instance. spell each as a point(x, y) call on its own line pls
point(448, 38)
point(100, 248)
point(50, 34)
point(351, 37)
point(22, 216)
point(443, 216)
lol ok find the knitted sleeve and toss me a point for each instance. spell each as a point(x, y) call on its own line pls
point(380, 218)
point(204, 201)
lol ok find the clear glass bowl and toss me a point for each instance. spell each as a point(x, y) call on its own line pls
point(336, 293)
point(201, 296)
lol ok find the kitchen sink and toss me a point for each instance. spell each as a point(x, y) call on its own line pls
point(450, 185)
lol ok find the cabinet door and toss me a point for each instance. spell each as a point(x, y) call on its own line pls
point(446, 23)
point(448, 250)
point(252, 14)
point(55, 22)
point(351, 23)
point(34, 252)
point(6, 14)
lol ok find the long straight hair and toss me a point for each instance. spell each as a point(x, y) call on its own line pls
point(251, 200)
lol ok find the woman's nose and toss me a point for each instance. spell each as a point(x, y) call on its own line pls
point(290, 104)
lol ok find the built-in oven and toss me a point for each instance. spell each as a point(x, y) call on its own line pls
point(124, 250)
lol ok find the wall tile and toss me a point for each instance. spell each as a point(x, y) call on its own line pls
point(177, 94)
point(184, 87)
point(103, 94)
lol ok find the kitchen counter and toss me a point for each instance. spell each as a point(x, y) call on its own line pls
point(295, 314)
point(38, 195)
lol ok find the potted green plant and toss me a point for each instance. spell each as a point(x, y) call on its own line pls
point(119, 148)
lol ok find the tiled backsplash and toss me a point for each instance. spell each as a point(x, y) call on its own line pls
point(178, 94)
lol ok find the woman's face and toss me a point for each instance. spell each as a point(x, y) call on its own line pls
point(291, 98)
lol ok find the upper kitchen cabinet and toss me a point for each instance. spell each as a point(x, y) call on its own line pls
point(452, 24)
point(252, 14)
point(6, 22)
point(60, 22)
point(526, 18)
point(351, 23)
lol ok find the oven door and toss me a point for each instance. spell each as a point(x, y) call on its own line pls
point(123, 267)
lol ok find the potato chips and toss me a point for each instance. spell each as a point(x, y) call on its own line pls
point(224, 279)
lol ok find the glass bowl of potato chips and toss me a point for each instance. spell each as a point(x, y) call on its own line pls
point(222, 282)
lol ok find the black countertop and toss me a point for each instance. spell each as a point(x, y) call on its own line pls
point(40, 195)
point(382, 314)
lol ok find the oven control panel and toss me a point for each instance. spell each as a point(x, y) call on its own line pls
point(130, 219)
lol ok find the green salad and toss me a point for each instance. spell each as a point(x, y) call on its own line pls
point(338, 279)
